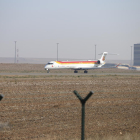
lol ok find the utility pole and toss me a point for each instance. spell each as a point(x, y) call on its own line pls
point(57, 51)
point(15, 52)
point(95, 51)
point(17, 55)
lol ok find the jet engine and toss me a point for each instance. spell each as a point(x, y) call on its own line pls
point(98, 62)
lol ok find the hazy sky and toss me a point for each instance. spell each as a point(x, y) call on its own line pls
point(77, 25)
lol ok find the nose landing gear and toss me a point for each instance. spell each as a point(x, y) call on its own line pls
point(85, 71)
point(48, 71)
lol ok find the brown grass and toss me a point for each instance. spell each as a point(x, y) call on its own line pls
point(44, 107)
point(119, 137)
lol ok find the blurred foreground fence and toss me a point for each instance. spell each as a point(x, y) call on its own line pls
point(1, 97)
point(83, 101)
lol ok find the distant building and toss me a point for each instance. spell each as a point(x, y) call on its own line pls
point(136, 54)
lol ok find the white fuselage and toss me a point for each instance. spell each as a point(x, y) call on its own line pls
point(76, 65)
point(72, 65)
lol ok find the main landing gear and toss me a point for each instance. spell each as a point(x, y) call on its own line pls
point(85, 71)
point(75, 71)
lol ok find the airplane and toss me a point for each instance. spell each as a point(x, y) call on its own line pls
point(77, 65)
point(126, 67)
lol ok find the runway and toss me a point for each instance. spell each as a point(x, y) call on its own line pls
point(73, 74)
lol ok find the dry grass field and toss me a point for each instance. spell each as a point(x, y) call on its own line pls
point(45, 108)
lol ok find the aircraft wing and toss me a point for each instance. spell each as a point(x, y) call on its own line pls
point(98, 67)
point(87, 68)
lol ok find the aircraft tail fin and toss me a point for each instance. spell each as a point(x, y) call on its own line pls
point(103, 57)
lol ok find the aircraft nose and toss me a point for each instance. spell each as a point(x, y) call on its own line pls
point(45, 67)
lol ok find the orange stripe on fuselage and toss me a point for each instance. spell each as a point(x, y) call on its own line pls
point(75, 62)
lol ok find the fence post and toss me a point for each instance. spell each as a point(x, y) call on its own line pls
point(1, 96)
point(83, 101)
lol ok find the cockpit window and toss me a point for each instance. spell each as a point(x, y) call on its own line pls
point(50, 64)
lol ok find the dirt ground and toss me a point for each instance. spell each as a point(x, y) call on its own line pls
point(45, 107)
